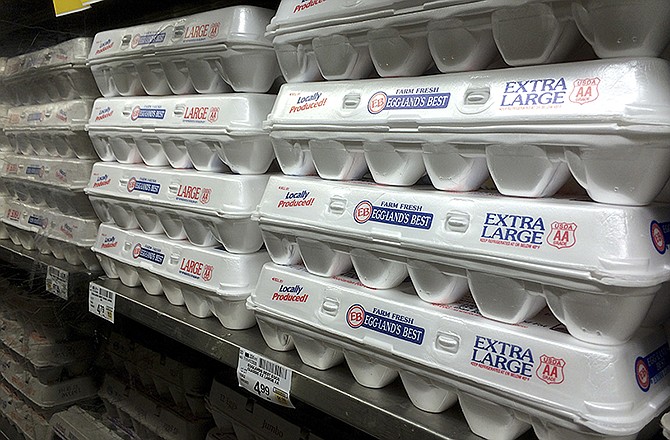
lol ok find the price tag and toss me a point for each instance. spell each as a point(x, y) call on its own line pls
point(101, 302)
point(56, 282)
point(264, 378)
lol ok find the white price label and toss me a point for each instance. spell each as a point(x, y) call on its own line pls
point(101, 302)
point(264, 378)
point(56, 282)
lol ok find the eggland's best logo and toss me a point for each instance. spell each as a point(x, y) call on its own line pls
point(377, 103)
point(642, 375)
point(136, 113)
point(658, 237)
point(355, 316)
point(137, 250)
point(131, 184)
point(135, 41)
point(363, 212)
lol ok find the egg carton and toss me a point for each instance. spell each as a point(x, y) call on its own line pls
point(50, 232)
point(5, 145)
point(529, 129)
point(235, 412)
point(209, 133)
point(318, 39)
point(507, 378)
point(47, 397)
point(77, 424)
point(208, 280)
point(148, 419)
point(206, 208)
point(57, 73)
point(211, 52)
point(55, 129)
point(50, 362)
point(27, 421)
point(220, 434)
point(516, 256)
point(165, 378)
point(56, 183)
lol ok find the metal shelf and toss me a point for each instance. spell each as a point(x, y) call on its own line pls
point(384, 413)
point(56, 276)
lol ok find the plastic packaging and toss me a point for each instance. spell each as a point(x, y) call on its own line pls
point(209, 280)
point(204, 207)
point(210, 52)
point(208, 133)
point(318, 39)
point(66, 237)
point(602, 269)
point(506, 378)
point(55, 129)
point(605, 123)
point(57, 73)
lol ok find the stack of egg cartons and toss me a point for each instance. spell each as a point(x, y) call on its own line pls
point(45, 364)
point(192, 166)
point(472, 324)
point(152, 395)
point(52, 92)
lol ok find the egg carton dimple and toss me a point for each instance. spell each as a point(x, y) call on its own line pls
point(55, 130)
point(506, 378)
point(208, 133)
point(317, 40)
point(212, 52)
point(206, 208)
point(514, 255)
point(208, 280)
point(57, 73)
point(605, 123)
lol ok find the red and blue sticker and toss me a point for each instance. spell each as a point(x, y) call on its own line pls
point(652, 368)
point(660, 236)
point(385, 322)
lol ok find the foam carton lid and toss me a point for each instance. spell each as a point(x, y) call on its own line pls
point(57, 115)
point(608, 244)
point(67, 53)
point(225, 195)
point(626, 94)
point(77, 424)
point(69, 173)
point(220, 113)
point(557, 374)
point(232, 25)
point(212, 269)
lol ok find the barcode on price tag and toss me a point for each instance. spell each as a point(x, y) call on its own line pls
point(56, 282)
point(101, 302)
point(264, 378)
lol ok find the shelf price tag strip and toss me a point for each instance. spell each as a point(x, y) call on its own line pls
point(101, 302)
point(57, 282)
point(264, 378)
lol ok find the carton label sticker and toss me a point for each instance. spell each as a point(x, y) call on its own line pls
point(67, 230)
point(201, 32)
point(193, 194)
point(196, 269)
point(388, 323)
point(148, 253)
point(393, 213)
point(147, 113)
point(35, 117)
point(148, 38)
point(585, 90)
point(103, 180)
point(38, 221)
point(143, 186)
point(660, 235)
point(419, 98)
point(306, 4)
point(104, 46)
point(534, 94)
point(294, 199)
point(200, 115)
point(513, 230)
point(109, 242)
point(650, 369)
point(503, 358)
point(104, 113)
point(562, 235)
point(35, 170)
point(13, 214)
point(293, 293)
point(550, 370)
point(61, 115)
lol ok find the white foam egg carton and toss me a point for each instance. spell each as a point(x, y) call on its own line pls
point(248, 419)
point(57, 73)
point(5, 145)
point(507, 378)
point(27, 421)
point(208, 280)
point(77, 424)
point(317, 39)
point(220, 434)
point(605, 123)
point(208, 133)
point(47, 397)
point(211, 52)
point(148, 419)
point(206, 208)
point(602, 269)
point(55, 129)
point(49, 182)
point(50, 232)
